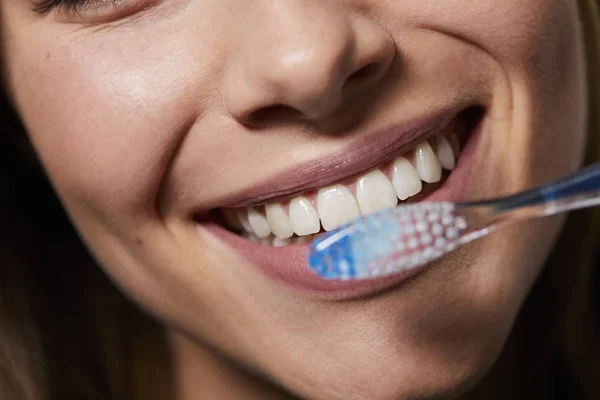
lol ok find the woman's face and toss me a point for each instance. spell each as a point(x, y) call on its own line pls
point(148, 114)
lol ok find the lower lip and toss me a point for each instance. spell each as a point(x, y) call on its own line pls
point(288, 265)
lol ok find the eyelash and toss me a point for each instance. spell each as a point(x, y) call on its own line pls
point(75, 6)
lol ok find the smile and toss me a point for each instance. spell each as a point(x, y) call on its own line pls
point(407, 177)
point(271, 224)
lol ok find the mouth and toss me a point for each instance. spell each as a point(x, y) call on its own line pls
point(271, 225)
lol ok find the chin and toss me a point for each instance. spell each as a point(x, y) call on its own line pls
point(422, 375)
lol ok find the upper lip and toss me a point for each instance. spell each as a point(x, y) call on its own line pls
point(362, 155)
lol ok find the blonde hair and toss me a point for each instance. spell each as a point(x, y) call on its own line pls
point(66, 332)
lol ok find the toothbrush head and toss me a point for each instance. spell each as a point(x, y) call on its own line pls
point(388, 242)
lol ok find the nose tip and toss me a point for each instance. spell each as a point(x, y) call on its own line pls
point(308, 73)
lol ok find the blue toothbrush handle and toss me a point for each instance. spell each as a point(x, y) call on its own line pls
point(584, 183)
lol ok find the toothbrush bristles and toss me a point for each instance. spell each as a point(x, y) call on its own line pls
point(388, 242)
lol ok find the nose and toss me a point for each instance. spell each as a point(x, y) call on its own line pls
point(303, 59)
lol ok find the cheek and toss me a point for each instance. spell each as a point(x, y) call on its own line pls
point(107, 110)
point(113, 128)
point(509, 30)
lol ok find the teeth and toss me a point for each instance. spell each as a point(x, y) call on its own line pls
point(445, 153)
point(304, 217)
point(243, 218)
point(259, 223)
point(337, 206)
point(303, 239)
point(454, 143)
point(277, 242)
point(280, 223)
point(427, 163)
point(251, 237)
point(374, 192)
point(405, 179)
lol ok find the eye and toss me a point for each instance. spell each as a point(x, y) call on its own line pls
point(91, 11)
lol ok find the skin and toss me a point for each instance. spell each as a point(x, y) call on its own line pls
point(143, 119)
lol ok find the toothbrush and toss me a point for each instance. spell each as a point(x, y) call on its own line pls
point(407, 237)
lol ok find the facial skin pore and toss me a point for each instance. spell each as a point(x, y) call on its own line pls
point(144, 115)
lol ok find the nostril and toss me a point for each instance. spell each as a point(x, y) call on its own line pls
point(363, 73)
point(272, 114)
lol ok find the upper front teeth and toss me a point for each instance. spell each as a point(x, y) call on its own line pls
point(338, 204)
point(374, 192)
point(405, 178)
point(304, 217)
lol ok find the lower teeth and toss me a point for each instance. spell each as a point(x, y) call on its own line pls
point(276, 242)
